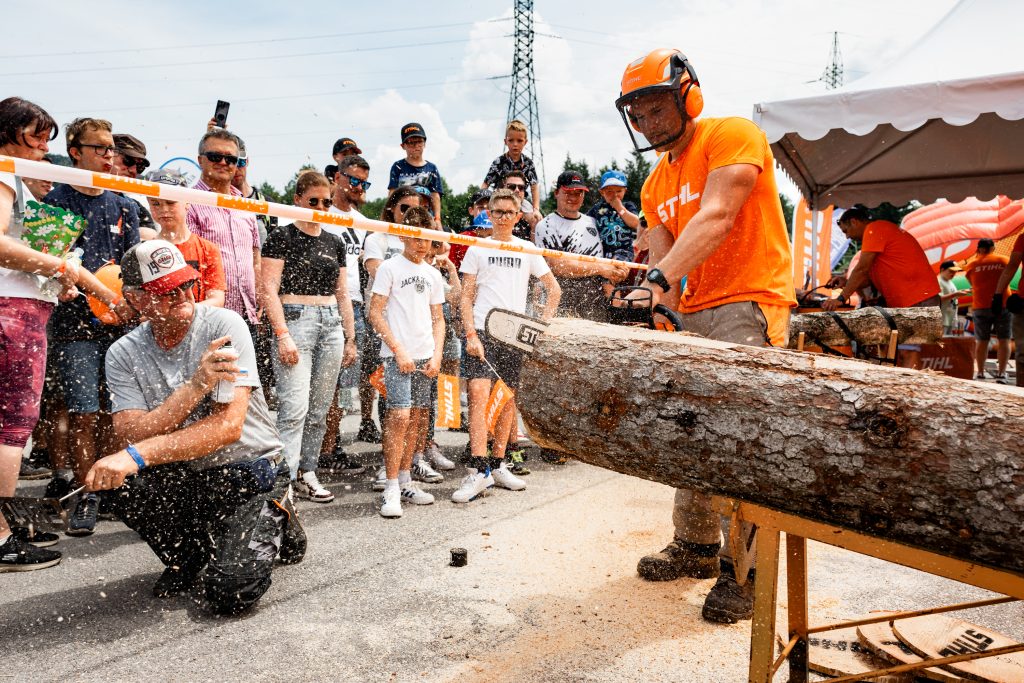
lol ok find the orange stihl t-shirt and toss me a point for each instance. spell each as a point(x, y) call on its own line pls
point(901, 271)
point(983, 273)
point(754, 262)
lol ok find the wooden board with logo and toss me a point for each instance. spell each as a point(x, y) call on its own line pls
point(938, 636)
point(879, 639)
point(953, 357)
point(840, 653)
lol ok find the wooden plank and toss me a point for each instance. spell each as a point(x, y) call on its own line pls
point(880, 639)
point(941, 636)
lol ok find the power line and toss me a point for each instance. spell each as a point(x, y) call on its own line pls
point(347, 34)
point(207, 62)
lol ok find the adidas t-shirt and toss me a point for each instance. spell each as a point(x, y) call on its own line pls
point(502, 278)
point(411, 288)
point(353, 240)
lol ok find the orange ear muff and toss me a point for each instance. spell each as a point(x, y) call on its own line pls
point(693, 100)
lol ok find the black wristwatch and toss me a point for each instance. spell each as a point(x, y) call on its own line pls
point(842, 298)
point(657, 277)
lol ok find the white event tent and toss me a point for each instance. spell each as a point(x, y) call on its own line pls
point(942, 120)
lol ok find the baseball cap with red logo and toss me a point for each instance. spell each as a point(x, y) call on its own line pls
point(156, 266)
point(570, 180)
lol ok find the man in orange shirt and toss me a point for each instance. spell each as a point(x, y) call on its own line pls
point(1015, 306)
point(716, 224)
point(984, 275)
point(894, 263)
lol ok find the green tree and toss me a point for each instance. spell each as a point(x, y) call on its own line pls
point(548, 205)
point(270, 192)
point(787, 213)
point(455, 206)
point(288, 196)
point(637, 169)
point(372, 208)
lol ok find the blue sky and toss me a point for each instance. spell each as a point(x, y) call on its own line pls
point(300, 74)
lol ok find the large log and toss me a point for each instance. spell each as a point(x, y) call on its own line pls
point(869, 326)
point(914, 457)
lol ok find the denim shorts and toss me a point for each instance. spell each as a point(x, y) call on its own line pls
point(407, 389)
point(80, 370)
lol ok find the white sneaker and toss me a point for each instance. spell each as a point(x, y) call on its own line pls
point(472, 486)
point(411, 494)
point(437, 459)
point(308, 486)
point(422, 471)
point(507, 480)
point(391, 503)
point(380, 481)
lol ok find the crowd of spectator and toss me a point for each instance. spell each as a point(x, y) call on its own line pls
point(212, 389)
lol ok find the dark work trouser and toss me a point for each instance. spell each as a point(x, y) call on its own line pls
point(223, 518)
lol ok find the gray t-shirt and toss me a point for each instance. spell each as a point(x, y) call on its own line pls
point(141, 376)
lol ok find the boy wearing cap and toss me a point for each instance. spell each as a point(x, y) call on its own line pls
point(210, 494)
point(514, 160)
point(200, 254)
point(948, 294)
point(571, 231)
point(414, 170)
point(616, 219)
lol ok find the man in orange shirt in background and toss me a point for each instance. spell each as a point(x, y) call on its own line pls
point(1009, 270)
point(984, 275)
point(894, 263)
point(716, 222)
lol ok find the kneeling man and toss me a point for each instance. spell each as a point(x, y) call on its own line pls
point(201, 477)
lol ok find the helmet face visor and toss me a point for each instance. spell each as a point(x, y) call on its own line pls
point(654, 117)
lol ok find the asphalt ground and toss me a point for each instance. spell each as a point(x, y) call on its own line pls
point(550, 593)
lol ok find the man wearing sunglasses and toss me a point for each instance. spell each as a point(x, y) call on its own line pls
point(200, 477)
point(79, 340)
point(235, 232)
point(130, 162)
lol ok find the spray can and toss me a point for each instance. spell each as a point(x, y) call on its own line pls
point(224, 392)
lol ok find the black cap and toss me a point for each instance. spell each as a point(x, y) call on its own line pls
point(570, 180)
point(949, 264)
point(413, 130)
point(130, 145)
point(330, 170)
point(480, 195)
point(345, 146)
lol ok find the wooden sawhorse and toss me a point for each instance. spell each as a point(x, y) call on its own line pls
point(771, 524)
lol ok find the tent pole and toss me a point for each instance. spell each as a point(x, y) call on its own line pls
point(815, 220)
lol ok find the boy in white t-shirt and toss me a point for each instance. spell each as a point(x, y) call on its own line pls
point(405, 310)
point(493, 278)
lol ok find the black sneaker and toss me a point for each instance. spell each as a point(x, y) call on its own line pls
point(40, 539)
point(30, 472)
point(553, 457)
point(58, 487)
point(174, 581)
point(369, 432)
point(18, 556)
point(341, 462)
point(729, 602)
point(83, 520)
point(293, 542)
point(517, 461)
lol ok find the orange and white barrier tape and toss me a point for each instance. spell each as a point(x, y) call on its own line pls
point(81, 178)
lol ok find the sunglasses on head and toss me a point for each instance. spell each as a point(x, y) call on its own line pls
point(217, 157)
point(356, 182)
point(139, 165)
point(315, 202)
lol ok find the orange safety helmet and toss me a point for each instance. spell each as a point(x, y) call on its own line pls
point(663, 70)
point(110, 276)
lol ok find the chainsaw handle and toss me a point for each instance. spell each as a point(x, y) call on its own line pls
point(673, 316)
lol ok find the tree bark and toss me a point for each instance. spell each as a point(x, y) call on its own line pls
point(914, 325)
point(915, 457)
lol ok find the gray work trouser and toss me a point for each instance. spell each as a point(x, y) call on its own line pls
point(738, 323)
point(1018, 340)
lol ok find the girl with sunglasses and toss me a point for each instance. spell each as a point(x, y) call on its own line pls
point(306, 293)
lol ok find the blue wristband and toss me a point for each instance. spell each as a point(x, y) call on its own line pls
point(136, 456)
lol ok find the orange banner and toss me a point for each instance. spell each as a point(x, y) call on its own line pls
point(448, 414)
point(377, 381)
point(500, 395)
point(804, 270)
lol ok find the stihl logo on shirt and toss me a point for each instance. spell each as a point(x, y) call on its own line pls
point(667, 209)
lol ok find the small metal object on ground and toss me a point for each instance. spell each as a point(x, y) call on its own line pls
point(460, 556)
